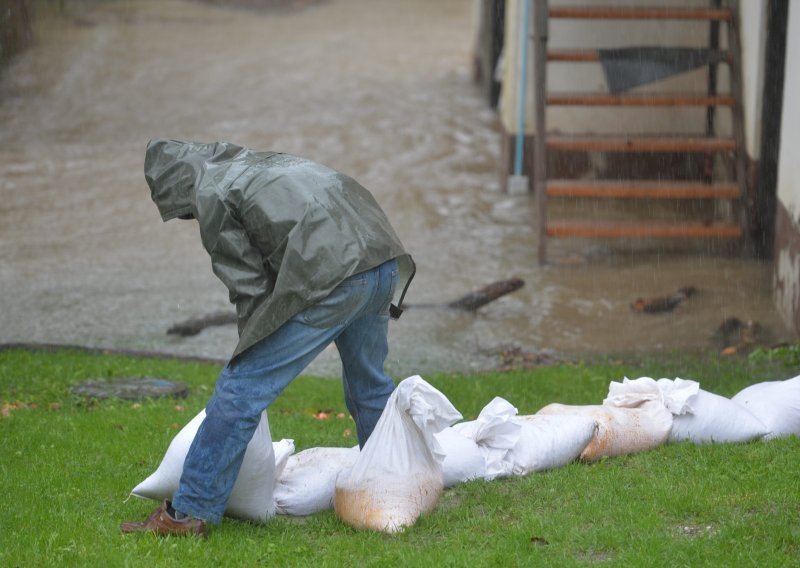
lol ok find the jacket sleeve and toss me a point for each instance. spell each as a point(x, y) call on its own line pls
point(236, 261)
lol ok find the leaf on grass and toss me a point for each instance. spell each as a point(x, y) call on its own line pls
point(8, 407)
point(347, 433)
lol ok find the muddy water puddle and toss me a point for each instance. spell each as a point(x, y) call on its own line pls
point(374, 88)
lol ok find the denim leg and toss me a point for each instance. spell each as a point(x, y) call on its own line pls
point(249, 385)
point(363, 347)
point(244, 389)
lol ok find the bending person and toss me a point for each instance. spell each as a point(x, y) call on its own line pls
point(309, 258)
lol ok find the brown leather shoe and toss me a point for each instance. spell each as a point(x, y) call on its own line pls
point(162, 523)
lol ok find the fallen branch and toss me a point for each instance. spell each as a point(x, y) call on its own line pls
point(469, 303)
point(490, 293)
point(196, 325)
point(663, 303)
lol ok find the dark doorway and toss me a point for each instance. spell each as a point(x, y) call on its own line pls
point(764, 199)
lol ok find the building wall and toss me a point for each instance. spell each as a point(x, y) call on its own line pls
point(787, 228)
point(752, 16)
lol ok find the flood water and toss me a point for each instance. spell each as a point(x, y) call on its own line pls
point(378, 89)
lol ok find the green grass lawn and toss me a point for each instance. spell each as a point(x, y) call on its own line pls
point(68, 465)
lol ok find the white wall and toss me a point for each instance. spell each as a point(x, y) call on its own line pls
point(789, 160)
point(787, 253)
point(753, 19)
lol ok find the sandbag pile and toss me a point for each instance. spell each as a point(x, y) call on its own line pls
point(764, 411)
point(776, 404)
point(307, 483)
point(620, 430)
point(705, 417)
point(514, 445)
point(418, 448)
point(398, 474)
point(251, 498)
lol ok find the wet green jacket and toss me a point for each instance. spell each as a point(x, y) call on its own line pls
point(282, 231)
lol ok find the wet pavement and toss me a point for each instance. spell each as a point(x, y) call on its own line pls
point(378, 89)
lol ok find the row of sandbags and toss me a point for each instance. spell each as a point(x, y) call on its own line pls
point(419, 447)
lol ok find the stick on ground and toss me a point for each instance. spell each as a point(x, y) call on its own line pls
point(470, 303)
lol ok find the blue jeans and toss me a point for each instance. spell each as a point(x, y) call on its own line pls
point(355, 316)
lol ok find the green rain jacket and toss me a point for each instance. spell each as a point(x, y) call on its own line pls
point(282, 231)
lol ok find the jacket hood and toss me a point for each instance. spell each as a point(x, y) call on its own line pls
point(172, 169)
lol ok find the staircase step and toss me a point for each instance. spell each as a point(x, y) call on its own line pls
point(593, 56)
point(654, 144)
point(574, 55)
point(641, 189)
point(640, 13)
point(638, 230)
point(638, 100)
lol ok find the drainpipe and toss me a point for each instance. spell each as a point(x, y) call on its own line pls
point(518, 183)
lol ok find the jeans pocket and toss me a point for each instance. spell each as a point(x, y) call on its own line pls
point(337, 307)
point(384, 311)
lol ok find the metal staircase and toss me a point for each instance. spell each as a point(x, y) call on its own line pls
point(706, 189)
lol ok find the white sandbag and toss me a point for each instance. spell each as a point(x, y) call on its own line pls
point(678, 394)
point(674, 395)
point(282, 450)
point(709, 418)
point(398, 474)
point(495, 433)
point(620, 430)
point(549, 441)
point(463, 458)
point(251, 498)
point(308, 482)
point(776, 404)
point(518, 445)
